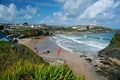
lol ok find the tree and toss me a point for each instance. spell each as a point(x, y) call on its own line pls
point(25, 23)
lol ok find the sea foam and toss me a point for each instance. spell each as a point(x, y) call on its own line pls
point(88, 43)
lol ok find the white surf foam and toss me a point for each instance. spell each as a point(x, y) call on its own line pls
point(59, 44)
point(83, 42)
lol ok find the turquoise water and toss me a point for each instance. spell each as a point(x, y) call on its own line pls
point(85, 43)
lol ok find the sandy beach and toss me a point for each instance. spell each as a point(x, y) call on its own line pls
point(77, 64)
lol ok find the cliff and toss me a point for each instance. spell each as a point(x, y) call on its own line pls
point(111, 56)
point(113, 49)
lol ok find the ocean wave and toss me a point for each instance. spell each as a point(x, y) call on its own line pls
point(82, 42)
point(98, 37)
point(86, 43)
point(59, 44)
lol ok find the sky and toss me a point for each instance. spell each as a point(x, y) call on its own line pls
point(61, 12)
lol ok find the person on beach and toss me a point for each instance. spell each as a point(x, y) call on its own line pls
point(36, 49)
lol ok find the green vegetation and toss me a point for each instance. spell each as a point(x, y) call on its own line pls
point(17, 62)
point(30, 32)
point(67, 29)
point(4, 43)
point(112, 71)
point(11, 53)
point(95, 29)
point(29, 71)
point(115, 41)
point(49, 30)
point(98, 29)
point(113, 50)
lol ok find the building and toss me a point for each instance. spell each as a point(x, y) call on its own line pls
point(74, 27)
point(3, 27)
point(81, 28)
point(91, 26)
point(15, 26)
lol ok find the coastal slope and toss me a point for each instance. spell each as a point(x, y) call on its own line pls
point(18, 62)
point(113, 49)
point(111, 59)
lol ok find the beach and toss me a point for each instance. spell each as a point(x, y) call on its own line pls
point(47, 49)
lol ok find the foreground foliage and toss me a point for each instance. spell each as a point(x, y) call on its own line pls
point(17, 62)
point(11, 53)
point(25, 70)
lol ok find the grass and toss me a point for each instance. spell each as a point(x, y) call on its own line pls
point(30, 71)
point(17, 62)
point(11, 53)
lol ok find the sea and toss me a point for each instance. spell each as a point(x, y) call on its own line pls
point(88, 43)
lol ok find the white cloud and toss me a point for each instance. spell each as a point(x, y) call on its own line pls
point(74, 7)
point(46, 4)
point(60, 16)
point(28, 16)
point(116, 4)
point(60, 0)
point(97, 8)
point(87, 11)
point(107, 15)
point(46, 19)
point(31, 10)
point(8, 13)
point(12, 14)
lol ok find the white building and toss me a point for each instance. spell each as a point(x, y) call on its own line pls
point(92, 25)
point(74, 27)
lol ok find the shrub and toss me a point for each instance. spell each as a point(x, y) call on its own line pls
point(30, 71)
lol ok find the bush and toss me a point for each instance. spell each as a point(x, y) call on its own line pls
point(30, 71)
point(11, 53)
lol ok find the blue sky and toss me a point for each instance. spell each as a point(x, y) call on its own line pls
point(61, 12)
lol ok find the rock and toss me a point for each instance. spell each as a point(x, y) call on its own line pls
point(48, 51)
point(111, 69)
point(104, 62)
point(44, 52)
point(95, 65)
point(102, 58)
point(88, 59)
point(83, 56)
point(113, 49)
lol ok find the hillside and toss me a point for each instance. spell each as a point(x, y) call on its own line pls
point(11, 53)
point(110, 57)
point(113, 49)
point(17, 62)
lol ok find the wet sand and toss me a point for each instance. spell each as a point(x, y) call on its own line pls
point(76, 63)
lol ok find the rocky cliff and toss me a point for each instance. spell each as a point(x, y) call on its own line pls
point(113, 49)
point(111, 56)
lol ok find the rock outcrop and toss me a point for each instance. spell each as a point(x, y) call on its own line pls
point(111, 53)
point(113, 49)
